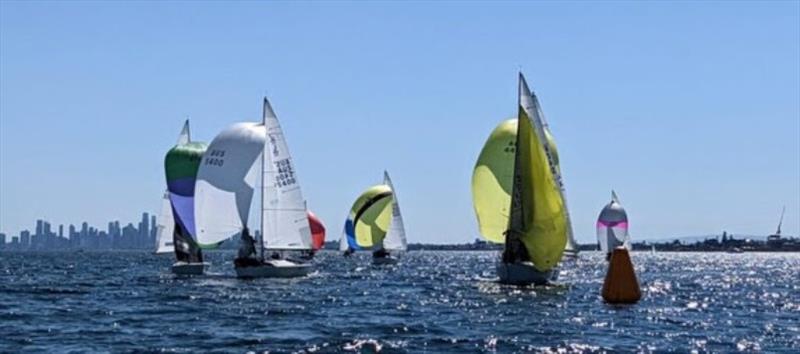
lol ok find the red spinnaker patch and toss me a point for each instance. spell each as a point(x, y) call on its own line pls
point(317, 231)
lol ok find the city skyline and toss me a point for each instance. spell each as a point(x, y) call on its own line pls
point(44, 237)
point(690, 111)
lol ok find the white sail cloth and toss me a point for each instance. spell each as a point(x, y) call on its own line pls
point(395, 238)
point(612, 226)
point(165, 227)
point(226, 182)
point(284, 217)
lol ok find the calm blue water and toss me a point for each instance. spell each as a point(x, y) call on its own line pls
point(432, 302)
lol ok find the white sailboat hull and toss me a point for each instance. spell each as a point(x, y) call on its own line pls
point(275, 268)
point(384, 260)
point(183, 268)
point(524, 273)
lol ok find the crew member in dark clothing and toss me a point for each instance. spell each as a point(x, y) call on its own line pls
point(515, 250)
point(186, 250)
point(381, 253)
point(247, 251)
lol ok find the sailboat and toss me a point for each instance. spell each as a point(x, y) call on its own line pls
point(518, 196)
point(612, 226)
point(375, 222)
point(775, 239)
point(181, 165)
point(226, 184)
point(165, 226)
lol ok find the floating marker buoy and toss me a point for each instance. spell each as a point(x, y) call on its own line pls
point(621, 285)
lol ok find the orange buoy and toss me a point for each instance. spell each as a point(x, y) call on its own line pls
point(621, 285)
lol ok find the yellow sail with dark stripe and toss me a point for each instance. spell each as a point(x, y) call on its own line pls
point(370, 217)
point(538, 215)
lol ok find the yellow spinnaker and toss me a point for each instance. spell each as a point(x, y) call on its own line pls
point(492, 178)
point(371, 215)
point(491, 181)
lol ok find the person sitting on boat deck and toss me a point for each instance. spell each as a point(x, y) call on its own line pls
point(247, 251)
point(381, 253)
point(348, 252)
point(276, 255)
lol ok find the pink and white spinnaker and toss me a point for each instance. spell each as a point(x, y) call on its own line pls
point(612, 226)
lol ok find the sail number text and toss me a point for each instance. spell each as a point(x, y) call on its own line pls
point(215, 158)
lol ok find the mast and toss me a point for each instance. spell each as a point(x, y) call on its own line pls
point(538, 225)
point(263, 172)
point(781, 221)
point(515, 220)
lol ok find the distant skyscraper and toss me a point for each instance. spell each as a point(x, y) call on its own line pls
point(61, 230)
point(144, 230)
point(2, 240)
point(39, 227)
point(25, 238)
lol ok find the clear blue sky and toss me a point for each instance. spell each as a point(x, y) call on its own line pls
point(690, 110)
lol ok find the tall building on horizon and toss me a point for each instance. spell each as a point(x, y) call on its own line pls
point(25, 238)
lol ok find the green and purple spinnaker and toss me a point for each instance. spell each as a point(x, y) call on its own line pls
point(181, 164)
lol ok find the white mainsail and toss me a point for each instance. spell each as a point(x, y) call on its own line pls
point(395, 238)
point(226, 181)
point(165, 227)
point(284, 220)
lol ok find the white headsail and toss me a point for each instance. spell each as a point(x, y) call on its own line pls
point(395, 238)
point(185, 137)
point(165, 227)
point(226, 181)
point(284, 219)
point(343, 246)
